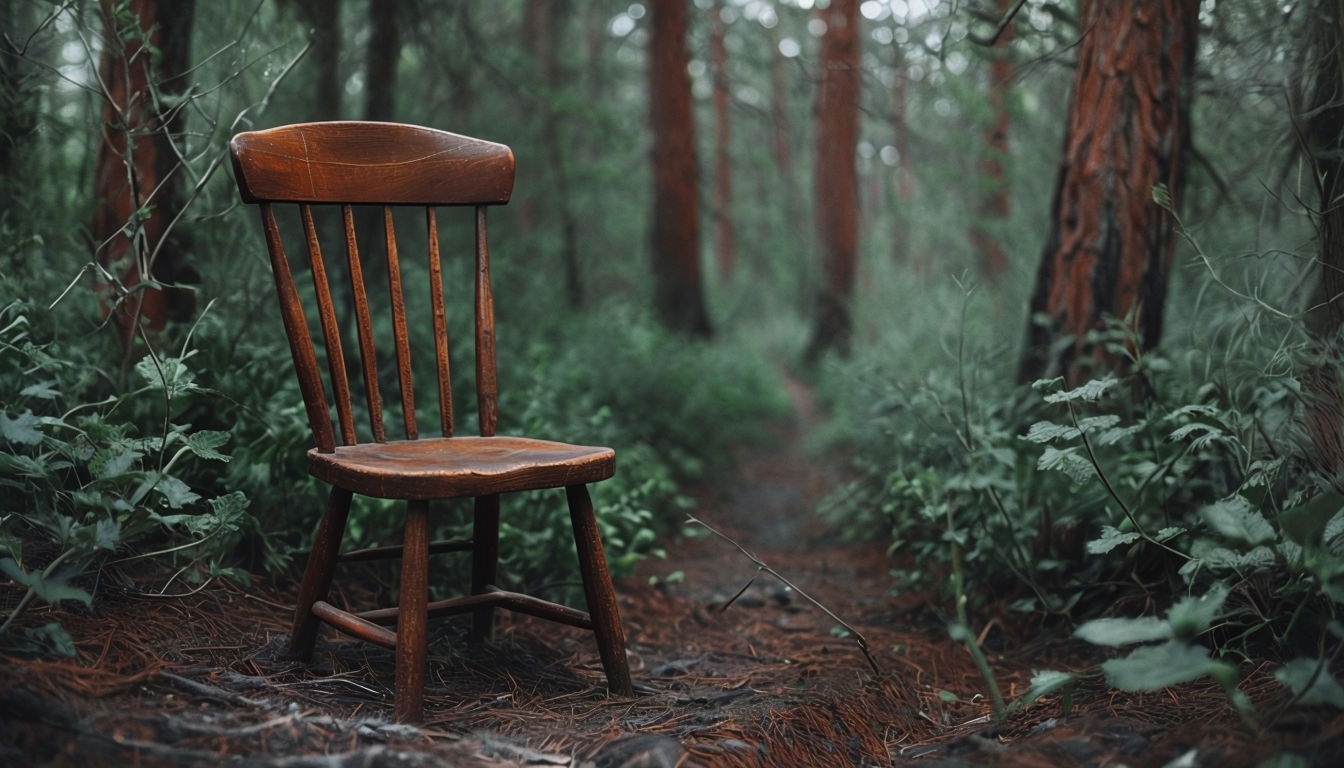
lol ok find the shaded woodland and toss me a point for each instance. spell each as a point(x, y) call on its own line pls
point(1061, 277)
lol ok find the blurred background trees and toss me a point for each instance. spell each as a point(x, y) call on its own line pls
point(917, 207)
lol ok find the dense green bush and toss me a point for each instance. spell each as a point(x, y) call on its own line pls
point(96, 477)
point(1178, 506)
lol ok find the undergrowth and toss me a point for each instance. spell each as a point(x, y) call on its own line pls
point(197, 466)
point(1176, 515)
point(96, 477)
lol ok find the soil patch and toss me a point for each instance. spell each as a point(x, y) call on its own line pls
point(733, 668)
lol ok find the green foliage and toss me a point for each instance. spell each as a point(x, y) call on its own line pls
point(670, 407)
point(91, 477)
point(1186, 478)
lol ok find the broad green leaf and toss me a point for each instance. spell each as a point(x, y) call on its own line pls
point(1067, 461)
point(1117, 632)
point(1110, 538)
point(50, 639)
point(177, 493)
point(1044, 683)
point(52, 589)
point(1116, 434)
point(1198, 434)
point(43, 390)
point(1234, 518)
point(1046, 431)
point(231, 506)
point(1169, 533)
point(1100, 423)
point(1298, 676)
point(1153, 667)
point(22, 429)
point(1305, 524)
point(16, 465)
point(107, 534)
point(114, 461)
point(1192, 616)
point(1089, 392)
point(205, 442)
point(171, 374)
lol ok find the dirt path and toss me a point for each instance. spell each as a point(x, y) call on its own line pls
point(727, 676)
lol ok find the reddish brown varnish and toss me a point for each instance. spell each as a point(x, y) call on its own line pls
point(347, 163)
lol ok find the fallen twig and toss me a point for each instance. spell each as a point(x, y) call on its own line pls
point(762, 566)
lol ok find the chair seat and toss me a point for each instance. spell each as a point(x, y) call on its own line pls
point(453, 467)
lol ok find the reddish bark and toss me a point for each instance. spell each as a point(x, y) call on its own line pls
point(994, 203)
point(903, 177)
point(136, 185)
point(678, 300)
point(542, 24)
point(1110, 245)
point(725, 241)
point(837, 189)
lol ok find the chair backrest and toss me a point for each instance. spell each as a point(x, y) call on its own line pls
point(345, 164)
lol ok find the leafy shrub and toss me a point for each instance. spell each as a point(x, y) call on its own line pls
point(670, 407)
point(98, 479)
point(1199, 488)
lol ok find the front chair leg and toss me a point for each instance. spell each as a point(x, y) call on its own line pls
point(318, 572)
point(412, 614)
point(599, 592)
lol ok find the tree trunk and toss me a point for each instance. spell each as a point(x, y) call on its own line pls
point(1110, 246)
point(837, 186)
point(725, 240)
point(903, 176)
point(136, 181)
point(19, 105)
point(678, 300)
point(992, 210)
point(382, 57)
point(1322, 125)
point(324, 16)
point(542, 22)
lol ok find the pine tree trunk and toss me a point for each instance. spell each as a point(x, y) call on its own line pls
point(543, 20)
point(324, 17)
point(837, 188)
point(903, 180)
point(382, 58)
point(678, 300)
point(1110, 246)
point(993, 207)
point(137, 172)
point(725, 240)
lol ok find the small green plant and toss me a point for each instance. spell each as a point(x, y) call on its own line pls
point(96, 481)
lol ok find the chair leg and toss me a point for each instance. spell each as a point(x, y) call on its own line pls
point(318, 572)
point(484, 562)
point(412, 614)
point(599, 592)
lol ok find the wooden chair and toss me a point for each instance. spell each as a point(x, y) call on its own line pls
point(361, 163)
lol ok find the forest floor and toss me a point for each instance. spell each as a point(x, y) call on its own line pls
point(760, 678)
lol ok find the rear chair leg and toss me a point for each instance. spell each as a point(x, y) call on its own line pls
point(599, 592)
point(484, 563)
point(318, 572)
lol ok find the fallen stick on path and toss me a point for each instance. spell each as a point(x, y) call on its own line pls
point(761, 566)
